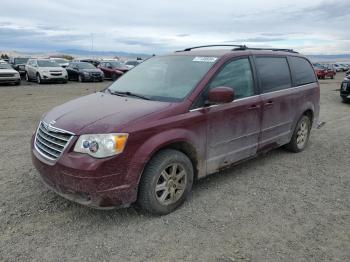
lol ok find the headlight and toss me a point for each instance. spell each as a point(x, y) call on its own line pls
point(45, 72)
point(86, 73)
point(101, 145)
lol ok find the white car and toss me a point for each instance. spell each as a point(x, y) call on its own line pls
point(61, 61)
point(45, 70)
point(9, 75)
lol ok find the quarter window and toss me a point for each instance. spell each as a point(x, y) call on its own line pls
point(302, 71)
point(237, 75)
point(273, 73)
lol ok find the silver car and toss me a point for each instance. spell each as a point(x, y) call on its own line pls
point(8, 75)
point(45, 70)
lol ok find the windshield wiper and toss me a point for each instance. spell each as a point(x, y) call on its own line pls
point(128, 93)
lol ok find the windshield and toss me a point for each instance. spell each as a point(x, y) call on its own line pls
point(85, 65)
point(61, 61)
point(21, 60)
point(116, 64)
point(134, 63)
point(5, 66)
point(166, 78)
point(47, 63)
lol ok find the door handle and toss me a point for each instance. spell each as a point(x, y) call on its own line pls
point(253, 107)
point(269, 103)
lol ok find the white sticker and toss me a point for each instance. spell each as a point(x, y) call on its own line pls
point(206, 59)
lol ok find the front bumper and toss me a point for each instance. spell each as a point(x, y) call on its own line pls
point(92, 78)
point(345, 91)
point(53, 79)
point(10, 79)
point(85, 180)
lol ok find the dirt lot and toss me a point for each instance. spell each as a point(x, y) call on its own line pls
point(278, 207)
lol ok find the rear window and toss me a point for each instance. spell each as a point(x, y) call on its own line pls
point(273, 73)
point(302, 71)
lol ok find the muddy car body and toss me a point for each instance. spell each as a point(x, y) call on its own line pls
point(227, 106)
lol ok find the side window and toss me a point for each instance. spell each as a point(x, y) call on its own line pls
point(237, 75)
point(273, 73)
point(302, 71)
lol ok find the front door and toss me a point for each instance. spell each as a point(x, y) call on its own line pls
point(233, 128)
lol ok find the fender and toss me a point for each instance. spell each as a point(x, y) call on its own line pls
point(161, 140)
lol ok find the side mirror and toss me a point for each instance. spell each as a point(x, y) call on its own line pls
point(221, 95)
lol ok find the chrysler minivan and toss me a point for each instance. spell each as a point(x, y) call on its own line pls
point(174, 119)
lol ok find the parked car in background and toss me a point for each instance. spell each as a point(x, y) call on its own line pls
point(321, 71)
point(9, 75)
point(173, 119)
point(61, 61)
point(83, 72)
point(94, 62)
point(347, 73)
point(340, 68)
point(19, 63)
point(113, 69)
point(133, 63)
point(331, 72)
point(45, 70)
point(345, 89)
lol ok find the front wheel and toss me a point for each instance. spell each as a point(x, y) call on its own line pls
point(301, 135)
point(80, 79)
point(166, 182)
point(38, 79)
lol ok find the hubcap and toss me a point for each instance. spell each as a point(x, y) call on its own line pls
point(171, 184)
point(302, 134)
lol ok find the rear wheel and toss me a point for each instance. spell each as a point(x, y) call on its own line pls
point(301, 135)
point(166, 182)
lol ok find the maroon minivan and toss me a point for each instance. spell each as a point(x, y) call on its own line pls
point(173, 119)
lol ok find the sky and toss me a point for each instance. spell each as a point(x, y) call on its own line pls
point(160, 26)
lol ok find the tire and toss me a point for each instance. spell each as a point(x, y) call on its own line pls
point(80, 79)
point(158, 195)
point(114, 77)
point(38, 79)
point(332, 76)
point(301, 135)
point(346, 100)
point(64, 81)
point(27, 77)
point(18, 83)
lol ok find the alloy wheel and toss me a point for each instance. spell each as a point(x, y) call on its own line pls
point(171, 184)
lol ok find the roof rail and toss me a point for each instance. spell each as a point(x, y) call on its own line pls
point(240, 47)
point(269, 49)
point(203, 46)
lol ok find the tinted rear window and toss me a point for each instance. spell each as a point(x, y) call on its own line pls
point(302, 71)
point(274, 73)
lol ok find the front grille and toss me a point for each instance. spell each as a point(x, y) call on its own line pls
point(56, 73)
point(50, 141)
point(96, 74)
point(7, 75)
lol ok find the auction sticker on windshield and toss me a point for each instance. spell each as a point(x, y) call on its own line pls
point(205, 59)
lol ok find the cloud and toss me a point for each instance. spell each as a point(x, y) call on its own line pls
point(158, 26)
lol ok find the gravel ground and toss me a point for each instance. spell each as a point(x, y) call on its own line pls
point(277, 207)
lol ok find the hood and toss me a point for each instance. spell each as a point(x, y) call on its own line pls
point(101, 113)
point(51, 68)
point(91, 70)
point(8, 71)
